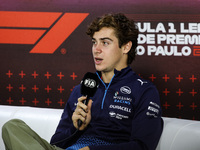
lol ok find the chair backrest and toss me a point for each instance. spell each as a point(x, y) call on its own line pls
point(42, 120)
point(180, 134)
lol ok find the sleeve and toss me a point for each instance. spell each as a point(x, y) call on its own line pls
point(147, 124)
point(65, 129)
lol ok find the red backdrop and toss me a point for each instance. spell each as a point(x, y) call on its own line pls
point(45, 51)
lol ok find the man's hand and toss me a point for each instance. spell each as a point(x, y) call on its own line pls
point(83, 113)
point(85, 148)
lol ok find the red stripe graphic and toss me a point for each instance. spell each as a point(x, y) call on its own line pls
point(19, 36)
point(27, 19)
point(12, 22)
point(59, 33)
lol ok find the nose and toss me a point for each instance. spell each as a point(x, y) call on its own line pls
point(97, 48)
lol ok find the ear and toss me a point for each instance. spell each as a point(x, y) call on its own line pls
point(127, 47)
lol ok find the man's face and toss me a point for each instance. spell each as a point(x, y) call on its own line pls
point(106, 52)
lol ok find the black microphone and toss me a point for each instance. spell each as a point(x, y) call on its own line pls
point(89, 85)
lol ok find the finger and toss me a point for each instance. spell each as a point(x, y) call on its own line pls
point(81, 112)
point(80, 103)
point(80, 99)
point(82, 106)
point(83, 119)
point(89, 105)
point(76, 117)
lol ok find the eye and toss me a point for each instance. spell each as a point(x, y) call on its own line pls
point(94, 42)
point(105, 43)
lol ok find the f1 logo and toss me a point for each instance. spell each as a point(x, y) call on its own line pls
point(47, 30)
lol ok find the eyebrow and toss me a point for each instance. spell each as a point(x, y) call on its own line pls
point(105, 38)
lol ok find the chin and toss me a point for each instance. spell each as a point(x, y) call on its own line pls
point(98, 68)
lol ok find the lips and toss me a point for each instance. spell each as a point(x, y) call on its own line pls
point(98, 60)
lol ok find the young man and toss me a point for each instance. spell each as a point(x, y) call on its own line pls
point(125, 111)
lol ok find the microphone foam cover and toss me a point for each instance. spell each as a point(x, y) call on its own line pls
point(89, 84)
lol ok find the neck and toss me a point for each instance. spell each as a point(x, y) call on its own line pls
point(107, 76)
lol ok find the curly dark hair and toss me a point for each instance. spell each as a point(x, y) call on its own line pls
point(125, 30)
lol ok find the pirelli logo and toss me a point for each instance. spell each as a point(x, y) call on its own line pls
point(45, 30)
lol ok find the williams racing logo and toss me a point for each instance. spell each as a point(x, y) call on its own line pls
point(121, 99)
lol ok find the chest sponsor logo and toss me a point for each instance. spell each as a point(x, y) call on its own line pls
point(121, 99)
point(125, 90)
point(125, 109)
point(112, 114)
point(117, 116)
